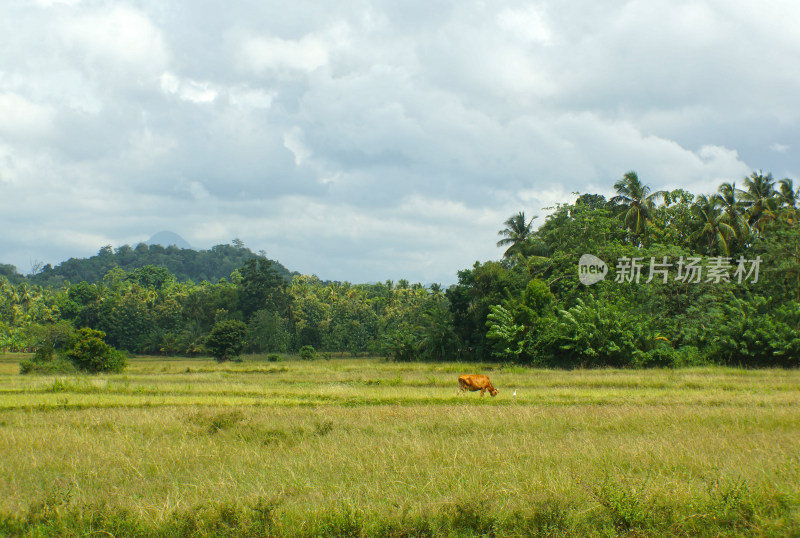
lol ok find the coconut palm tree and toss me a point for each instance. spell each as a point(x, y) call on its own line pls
point(712, 230)
point(436, 291)
point(516, 233)
point(788, 195)
point(734, 213)
point(760, 199)
point(635, 203)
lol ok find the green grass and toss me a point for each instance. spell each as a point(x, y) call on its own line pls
point(362, 447)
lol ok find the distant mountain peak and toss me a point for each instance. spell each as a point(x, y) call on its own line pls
point(167, 238)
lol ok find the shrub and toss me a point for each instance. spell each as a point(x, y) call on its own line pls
point(307, 353)
point(755, 333)
point(596, 333)
point(89, 353)
point(660, 356)
point(227, 339)
point(55, 366)
point(52, 342)
point(274, 357)
point(688, 356)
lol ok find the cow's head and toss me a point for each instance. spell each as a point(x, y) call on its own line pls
point(493, 391)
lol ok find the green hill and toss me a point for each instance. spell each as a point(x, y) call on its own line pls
point(186, 264)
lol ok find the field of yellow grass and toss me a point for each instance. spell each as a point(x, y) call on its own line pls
point(364, 447)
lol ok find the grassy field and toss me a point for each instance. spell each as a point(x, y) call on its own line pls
point(363, 447)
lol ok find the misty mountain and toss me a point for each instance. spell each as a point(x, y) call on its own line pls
point(167, 239)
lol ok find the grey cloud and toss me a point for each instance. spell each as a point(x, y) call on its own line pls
point(369, 140)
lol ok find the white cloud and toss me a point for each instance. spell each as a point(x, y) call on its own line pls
point(779, 148)
point(195, 189)
point(200, 92)
point(188, 89)
point(23, 119)
point(293, 141)
point(146, 147)
point(170, 83)
point(26, 169)
point(248, 98)
point(525, 24)
point(50, 3)
point(272, 53)
point(118, 38)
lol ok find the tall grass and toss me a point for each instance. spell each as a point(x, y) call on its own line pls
point(367, 448)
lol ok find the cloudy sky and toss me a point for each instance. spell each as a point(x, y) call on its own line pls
point(363, 140)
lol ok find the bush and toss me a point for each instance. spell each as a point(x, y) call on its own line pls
point(89, 353)
point(757, 334)
point(307, 353)
point(274, 357)
point(661, 356)
point(596, 333)
point(227, 339)
point(55, 366)
point(52, 342)
point(688, 356)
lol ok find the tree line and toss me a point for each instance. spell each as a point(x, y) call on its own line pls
point(529, 307)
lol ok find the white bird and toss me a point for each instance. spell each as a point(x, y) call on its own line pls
point(515, 392)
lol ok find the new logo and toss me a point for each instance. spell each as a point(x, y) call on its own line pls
point(591, 269)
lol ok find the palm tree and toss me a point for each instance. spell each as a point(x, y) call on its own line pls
point(515, 234)
point(436, 291)
point(787, 194)
point(635, 203)
point(733, 209)
point(712, 230)
point(760, 198)
point(24, 297)
point(789, 201)
point(6, 291)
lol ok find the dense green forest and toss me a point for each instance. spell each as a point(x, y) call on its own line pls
point(691, 279)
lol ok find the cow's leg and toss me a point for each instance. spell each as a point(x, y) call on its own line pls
point(483, 389)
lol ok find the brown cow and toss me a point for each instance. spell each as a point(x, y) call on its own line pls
point(473, 382)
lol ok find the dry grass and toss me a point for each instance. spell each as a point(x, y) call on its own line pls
point(374, 448)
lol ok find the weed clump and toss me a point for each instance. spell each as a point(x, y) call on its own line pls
point(323, 428)
point(224, 421)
